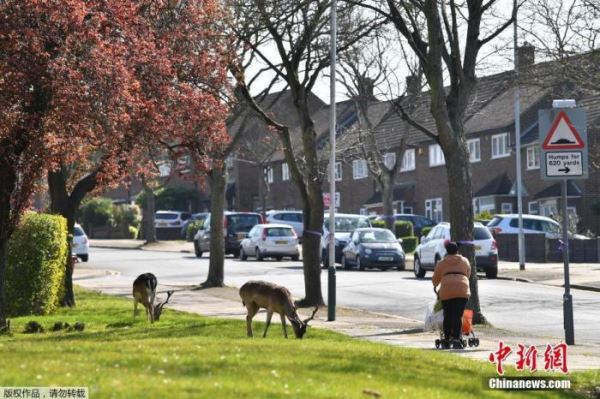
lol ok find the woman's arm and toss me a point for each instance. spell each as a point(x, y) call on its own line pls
point(437, 274)
point(468, 265)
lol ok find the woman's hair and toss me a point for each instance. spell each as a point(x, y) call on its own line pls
point(451, 248)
